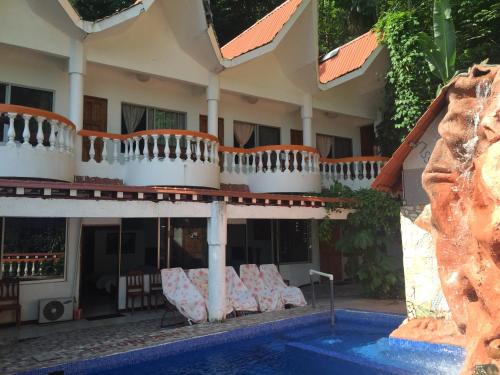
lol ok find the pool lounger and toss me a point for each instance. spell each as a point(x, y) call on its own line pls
point(238, 294)
point(181, 293)
point(291, 295)
point(199, 278)
point(268, 299)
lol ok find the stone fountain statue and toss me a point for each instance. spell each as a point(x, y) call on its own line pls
point(462, 180)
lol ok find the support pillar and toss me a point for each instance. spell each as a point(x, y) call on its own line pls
point(306, 113)
point(217, 238)
point(213, 95)
point(76, 71)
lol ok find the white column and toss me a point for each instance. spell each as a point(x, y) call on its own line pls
point(306, 112)
point(217, 238)
point(213, 94)
point(76, 71)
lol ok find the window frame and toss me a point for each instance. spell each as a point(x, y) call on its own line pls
point(64, 277)
point(256, 132)
point(8, 90)
point(154, 108)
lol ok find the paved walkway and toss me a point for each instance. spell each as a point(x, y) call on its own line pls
point(84, 340)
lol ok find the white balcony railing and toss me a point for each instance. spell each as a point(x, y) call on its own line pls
point(40, 144)
point(354, 172)
point(167, 157)
point(272, 169)
point(36, 144)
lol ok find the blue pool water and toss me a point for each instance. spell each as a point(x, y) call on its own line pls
point(308, 345)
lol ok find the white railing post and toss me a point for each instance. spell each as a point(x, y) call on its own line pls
point(60, 137)
point(92, 147)
point(116, 144)
point(26, 130)
point(39, 131)
point(52, 137)
point(240, 161)
point(155, 146)
point(215, 145)
point(104, 153)
point(177, 146)
point(145, 151)
point(198, 149)
point(224, 161)
point(287, 161)
point(67, 139)
point(295, 161)
point(126, 153)
point(11, 133)
point(137, 152)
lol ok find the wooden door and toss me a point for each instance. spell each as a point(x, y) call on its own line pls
point(367, 140)
point(296, 137)
point(330, 260)
point(220, 130)
point(95, 117)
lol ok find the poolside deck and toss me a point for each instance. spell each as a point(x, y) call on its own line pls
point(36, 346)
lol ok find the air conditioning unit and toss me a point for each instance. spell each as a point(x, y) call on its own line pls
point(55, 310)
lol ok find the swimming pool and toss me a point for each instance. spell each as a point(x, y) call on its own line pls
point(357, 345)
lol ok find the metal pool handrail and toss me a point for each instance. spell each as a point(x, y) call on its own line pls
point(332, 297)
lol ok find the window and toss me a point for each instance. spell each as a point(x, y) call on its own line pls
point(251, 135)
point(26, 96)
point(136, 118)
point(333, 146)
point(139, 245)
point(342, 147)
point(294, 241)
point(34, 248)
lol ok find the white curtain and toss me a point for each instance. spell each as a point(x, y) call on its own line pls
point(323, 144)
point(132, 115)
point(243, 132)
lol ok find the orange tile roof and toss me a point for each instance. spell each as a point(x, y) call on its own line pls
point(262, 32)
point(350, 56)
point(389, 178)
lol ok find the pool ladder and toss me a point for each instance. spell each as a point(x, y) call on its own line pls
point(332, 296)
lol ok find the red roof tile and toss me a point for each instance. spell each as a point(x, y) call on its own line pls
point(262, 32)
point(350, 56)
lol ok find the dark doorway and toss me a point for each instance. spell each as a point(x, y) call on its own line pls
point(95, 118)
point(330, 260)
point(367, 140)
point(236, 250)
point(342, 147)
point(220, 130)
point(296, 137)
point(99, 254)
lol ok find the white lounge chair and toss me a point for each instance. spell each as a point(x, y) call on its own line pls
point(238, 294)
point(199, 278)
point(291, 295)
point(268, 299)
point(181, 293)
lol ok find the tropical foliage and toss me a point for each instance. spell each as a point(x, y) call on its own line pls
point(441, 51)
point(366, 238)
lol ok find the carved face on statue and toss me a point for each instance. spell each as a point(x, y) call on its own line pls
point(462, 180)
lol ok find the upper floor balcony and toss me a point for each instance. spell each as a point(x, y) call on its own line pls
point(39, 144)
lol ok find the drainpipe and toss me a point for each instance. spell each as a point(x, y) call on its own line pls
point(217, 239)
point(213, 95)
point(306, 113)
point(76, 70)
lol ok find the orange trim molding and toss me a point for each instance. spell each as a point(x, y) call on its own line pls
point(267, 148)
point(20, 109)
point(353, 159)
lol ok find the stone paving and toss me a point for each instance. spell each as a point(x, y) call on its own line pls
point(67, 346)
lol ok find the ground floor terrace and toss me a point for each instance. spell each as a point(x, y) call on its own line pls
point(79, 242)
point(38, 346)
